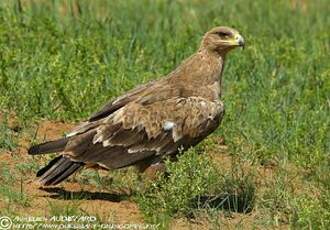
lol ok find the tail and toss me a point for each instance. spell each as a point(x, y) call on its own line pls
point(49, 147)
point(58, 170)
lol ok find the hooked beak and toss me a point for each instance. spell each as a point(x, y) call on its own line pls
point(240, 41)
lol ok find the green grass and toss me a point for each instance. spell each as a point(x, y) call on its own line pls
point(10, 192)
point(194, 184)
point(64, 66)
point(8, 139)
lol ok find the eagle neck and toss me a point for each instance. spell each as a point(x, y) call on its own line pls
point(212, 72)
point(200, 74)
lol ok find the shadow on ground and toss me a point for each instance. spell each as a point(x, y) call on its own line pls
point(229, 202)
point(62, 194)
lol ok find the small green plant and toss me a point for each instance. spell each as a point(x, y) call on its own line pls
point(191, 184)
point(8, 192)
point(26, 168)
point(70, 208)
point(311, 211)
point(7, 137)
point(10, 196)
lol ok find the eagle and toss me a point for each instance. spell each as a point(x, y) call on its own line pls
point(149, 123)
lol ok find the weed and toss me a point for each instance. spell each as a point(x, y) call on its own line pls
point(191, 184)
point(7, 137)
point(12, 194)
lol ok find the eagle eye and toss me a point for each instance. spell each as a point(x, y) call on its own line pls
point(223, 34)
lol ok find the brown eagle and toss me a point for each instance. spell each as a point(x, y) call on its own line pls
point(153, 121)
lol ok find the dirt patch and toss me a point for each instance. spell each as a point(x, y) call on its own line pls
point(48, 130)
point(96, 202)
point(88, 199)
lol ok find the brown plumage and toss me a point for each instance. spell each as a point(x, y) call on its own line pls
point(152, 121)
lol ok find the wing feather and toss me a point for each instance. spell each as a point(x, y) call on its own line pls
point(121, 101)
point(140, 131)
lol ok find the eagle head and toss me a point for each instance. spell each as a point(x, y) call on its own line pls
point(222, 39)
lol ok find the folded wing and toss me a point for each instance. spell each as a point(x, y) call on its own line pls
point(138, 131)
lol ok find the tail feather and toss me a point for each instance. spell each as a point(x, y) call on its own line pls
point(49, 147)
point(70, 170)
point(58, 170)
point(47, 167)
